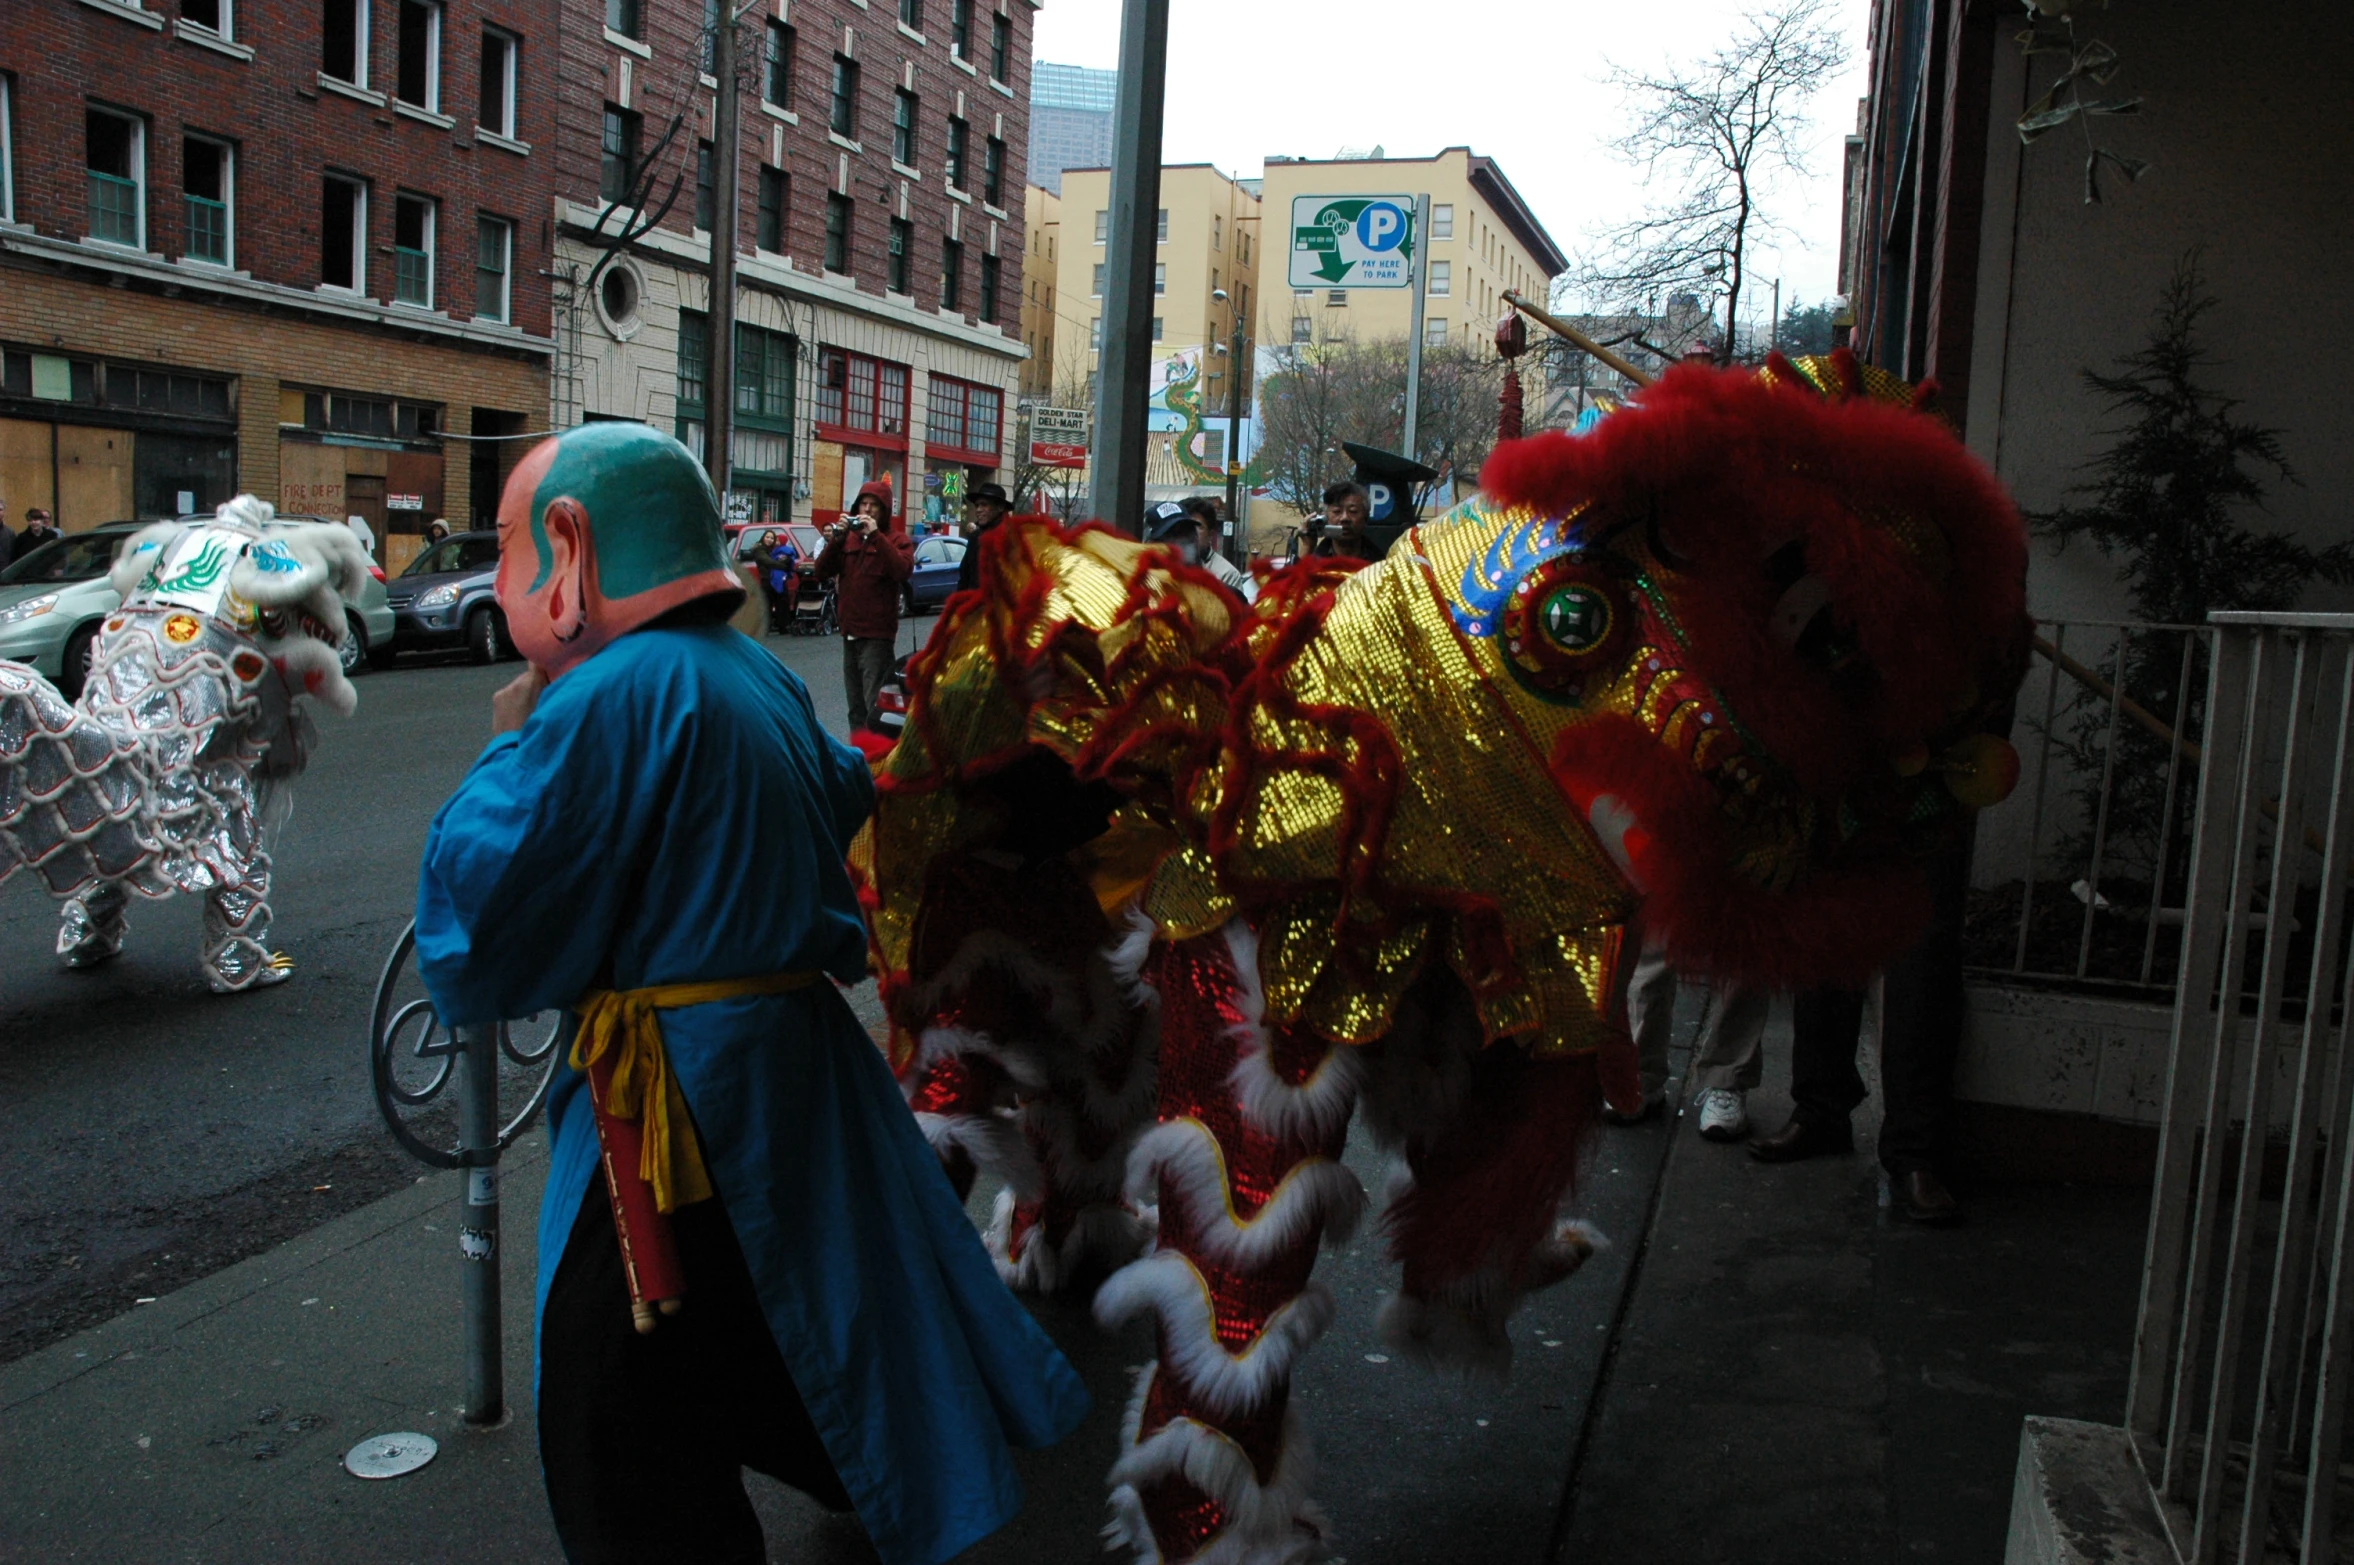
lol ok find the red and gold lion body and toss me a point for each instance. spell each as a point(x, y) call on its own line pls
point(1164, 888)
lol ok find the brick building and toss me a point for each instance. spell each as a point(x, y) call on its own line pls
point(294, 249)
point(880, 236)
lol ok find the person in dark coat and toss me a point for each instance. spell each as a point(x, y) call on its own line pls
point(983, 511)
point(871, 556)
point(38, 531)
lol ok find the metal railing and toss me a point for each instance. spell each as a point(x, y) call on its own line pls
point(2079, 876)
point(2244, 1343)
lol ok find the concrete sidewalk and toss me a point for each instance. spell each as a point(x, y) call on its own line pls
point(1763, 1369)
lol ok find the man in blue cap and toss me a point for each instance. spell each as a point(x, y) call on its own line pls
point(655, 838)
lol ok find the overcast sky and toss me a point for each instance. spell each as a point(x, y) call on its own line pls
point(1515, 80)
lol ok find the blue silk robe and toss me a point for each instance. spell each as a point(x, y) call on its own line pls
point(674, 812)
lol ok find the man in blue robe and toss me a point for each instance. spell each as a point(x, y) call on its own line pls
point(659, 807)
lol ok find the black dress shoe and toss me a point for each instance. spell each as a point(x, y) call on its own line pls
point(1802, 1139)
point(1643, 1116)
point(1921, 1197)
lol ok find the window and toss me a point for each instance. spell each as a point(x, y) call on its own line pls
point(1442, 221)
point(494, 264)
point(903, 108)
point(118, 177)
point(1163, 234)
point(1157, 334)
point(951, 274)
point(1242, 246)
point(989, 276)
point(837, 232)
point(1160, 277)
point(707, 40)
point(7, 155)
point(1001, 47)
point(858, 393)
point(387, 420)
point(902, 241)
point(694, 360)
point(412, 251)
point(777, 81)
point(1243, 299)
point(957, 132)
point(960, 28)
point(211, 15)
point(1096, 292)
point(619, 174)
point(1213, 279)
point(845, 121)
point(1095, 334)
point(497, 111)
point(1302, 329)
point(1336, 298)
point(965, 417)
point(1217, 230)
point(621, 16)
point(343, 234)
point(1442, 278)
point(207, 188)
point(764, 373)
point(419, 79)
point(345, 55)
point(1103, 226)
point(993, 171)
point(769, 233)
point(1434, 332)
point(705, 197)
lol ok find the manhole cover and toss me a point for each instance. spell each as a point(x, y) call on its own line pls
point(389, 1456)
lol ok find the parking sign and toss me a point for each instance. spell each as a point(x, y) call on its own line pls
point(1352, 241)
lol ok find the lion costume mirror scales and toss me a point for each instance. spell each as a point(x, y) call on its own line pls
point(1164, 889)
point(172, 772)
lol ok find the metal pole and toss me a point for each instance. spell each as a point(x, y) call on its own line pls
point(719, 386)
point(1123, 375)
point(478, 1229)
point(1415, 270)
point(1774, 326)
point(1234, 540)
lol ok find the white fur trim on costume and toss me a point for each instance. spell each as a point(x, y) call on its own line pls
point(1126, 955)
point(1103, 1234)
point(1274, 1523)
point(1314, 1109)
point(935, 1044)
point(1316, 1190)
point(1463, 1327)
point(994, 1144)
point(1224, 1383)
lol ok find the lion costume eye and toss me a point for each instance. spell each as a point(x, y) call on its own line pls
point(1565, 619)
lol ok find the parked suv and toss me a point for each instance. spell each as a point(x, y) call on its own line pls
point(444, 599)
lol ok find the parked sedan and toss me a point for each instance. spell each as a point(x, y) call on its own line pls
point(444, 599)
point(937, 560)
point(52, 600)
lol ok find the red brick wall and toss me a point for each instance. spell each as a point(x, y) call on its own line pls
point(668, 85)
point(63, 55)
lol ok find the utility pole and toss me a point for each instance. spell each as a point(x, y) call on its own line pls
point(719, 360)
point(1235, 544)
point(1124, 371)
point(1414, 271)
point(1774, 327)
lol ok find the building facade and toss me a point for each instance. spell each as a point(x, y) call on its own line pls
point(1483, 240)
point(879, 239)
point(1070, 121)
point(1041, 260)
point(291, 250)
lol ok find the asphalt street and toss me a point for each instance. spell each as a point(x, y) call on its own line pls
point(154, 1132)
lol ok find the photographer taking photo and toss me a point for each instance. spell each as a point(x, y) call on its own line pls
point(872, 557)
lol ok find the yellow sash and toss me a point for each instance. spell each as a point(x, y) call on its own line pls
point(621, 1025)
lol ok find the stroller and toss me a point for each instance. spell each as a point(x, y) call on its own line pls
point(814, 612)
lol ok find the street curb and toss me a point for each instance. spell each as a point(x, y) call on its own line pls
point(151, 1327)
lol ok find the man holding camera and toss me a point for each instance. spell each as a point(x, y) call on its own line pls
point(1340, 531)
point(871, 557)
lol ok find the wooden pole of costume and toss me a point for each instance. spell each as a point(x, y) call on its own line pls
point(1561, 328)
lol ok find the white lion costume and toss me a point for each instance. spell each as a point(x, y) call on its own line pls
point(171, 772)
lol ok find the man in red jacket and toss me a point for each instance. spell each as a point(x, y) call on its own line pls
point(872, 557)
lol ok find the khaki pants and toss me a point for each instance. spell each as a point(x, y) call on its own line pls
point(1728, 1056)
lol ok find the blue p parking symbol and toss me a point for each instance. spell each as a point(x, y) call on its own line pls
point(1380, 227)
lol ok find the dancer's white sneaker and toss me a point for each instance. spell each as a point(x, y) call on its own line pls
point(1723, 1115)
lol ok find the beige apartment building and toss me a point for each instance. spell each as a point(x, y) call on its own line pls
point(1483, 240)
point(1042, 222)
point(1209, 242)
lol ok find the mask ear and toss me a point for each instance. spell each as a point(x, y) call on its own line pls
point(567, 526)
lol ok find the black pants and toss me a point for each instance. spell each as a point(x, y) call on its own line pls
point(643, 1438)
point(866, 663)
point(1920, 1033)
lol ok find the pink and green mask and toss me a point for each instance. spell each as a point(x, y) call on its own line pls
point(601, 530)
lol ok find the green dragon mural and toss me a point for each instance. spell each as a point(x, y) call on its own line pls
point(1182, 394)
